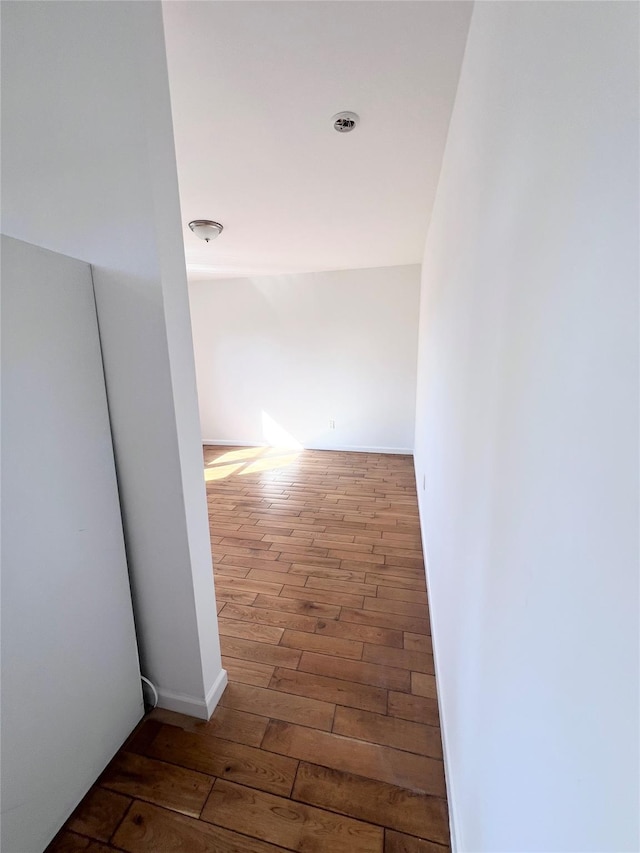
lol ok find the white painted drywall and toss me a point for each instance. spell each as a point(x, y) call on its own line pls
point(306, 198)
point(527, 430)
point(284, 355)
point(89, 170)
point(71, 688)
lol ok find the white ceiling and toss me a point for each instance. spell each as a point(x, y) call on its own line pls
point(254, 86)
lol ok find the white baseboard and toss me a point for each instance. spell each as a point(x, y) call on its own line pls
point(193, 706)
point(215, 692)
point(453, 822)
point(343, 448)
point(219, 443)
point(348, 448)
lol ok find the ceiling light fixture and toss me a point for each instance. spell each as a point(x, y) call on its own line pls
point(345, 122)
point(206, 229)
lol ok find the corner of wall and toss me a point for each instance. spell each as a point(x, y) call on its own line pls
point(451, 800)
point(193, 706)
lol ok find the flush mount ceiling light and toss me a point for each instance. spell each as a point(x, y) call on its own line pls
point(345, 122)
point(206, 229)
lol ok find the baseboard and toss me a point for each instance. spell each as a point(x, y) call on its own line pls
point(219, 443)
point(215, 693)
point(343, 448)
point(193, 706)
point(453, 822)
point(348, 448)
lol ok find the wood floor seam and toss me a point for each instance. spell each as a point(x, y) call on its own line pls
point(126, 812)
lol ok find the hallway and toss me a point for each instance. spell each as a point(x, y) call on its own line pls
point(327, 736)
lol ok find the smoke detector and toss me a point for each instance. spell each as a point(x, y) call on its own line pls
point(206, 229)
point(345, 122)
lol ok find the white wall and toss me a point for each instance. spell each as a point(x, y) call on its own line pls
point(301, 350)
point(89, 170)
point(71, 689)
point(527, 430)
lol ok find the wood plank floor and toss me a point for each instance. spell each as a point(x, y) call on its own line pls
point(327, 737)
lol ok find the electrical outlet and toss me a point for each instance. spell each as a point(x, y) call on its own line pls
point(332, 424)
point(424, 482)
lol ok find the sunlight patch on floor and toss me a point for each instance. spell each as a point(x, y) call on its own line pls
point(221, 472)
point(269, 463)
point(250, 460)
point(234, 455)
point(282, 450)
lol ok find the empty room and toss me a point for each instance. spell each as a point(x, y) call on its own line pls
point(320, 417)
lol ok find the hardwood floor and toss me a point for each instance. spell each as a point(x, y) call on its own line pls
point(327, 737)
